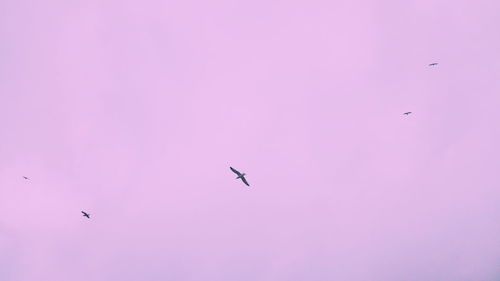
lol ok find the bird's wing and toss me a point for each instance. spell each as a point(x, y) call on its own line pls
point(235, 171)
point(244, 180)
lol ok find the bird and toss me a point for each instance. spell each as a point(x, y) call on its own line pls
point(407, 113)
point(433, 64)
point(240, 175)
point(85, 215)
point(26, 178)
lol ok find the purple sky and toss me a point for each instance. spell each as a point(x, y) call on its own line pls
point(134, 111)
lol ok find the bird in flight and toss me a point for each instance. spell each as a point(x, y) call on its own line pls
point(240, 175)
point(26, 178)
point(85, 215)
point(433, 64)
point(407, 113)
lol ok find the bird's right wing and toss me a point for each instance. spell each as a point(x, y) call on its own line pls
point(235, 171)
point(245, 181)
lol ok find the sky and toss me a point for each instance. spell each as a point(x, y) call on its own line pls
point(133, 111)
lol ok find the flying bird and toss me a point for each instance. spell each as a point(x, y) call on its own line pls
point(407, 113)
point(240, 175)
point(26, 178)
point(433, 64)
point(85, 215)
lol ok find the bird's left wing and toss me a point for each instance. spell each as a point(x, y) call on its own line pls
point(235, 171)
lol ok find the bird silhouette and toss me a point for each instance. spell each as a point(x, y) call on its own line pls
point(433, 64)
point(407, 113)
point(240, 175)
point(26, 178)
point(86, 215)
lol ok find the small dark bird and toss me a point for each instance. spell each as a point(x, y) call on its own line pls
point(85, 215)
point(433, 64)
point(26, 178)
point(407, 113)
point(240, 175)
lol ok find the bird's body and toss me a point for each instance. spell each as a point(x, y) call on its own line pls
point(86, 215)
point(407, 113)
point(26, 178)
point(433, 64)
point(240, 175)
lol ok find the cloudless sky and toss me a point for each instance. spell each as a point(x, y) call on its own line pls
point(134, 110)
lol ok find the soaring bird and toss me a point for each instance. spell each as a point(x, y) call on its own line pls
point(407, 113)
point(26, 178)
point(85, 215)
point(433, 64)
point(240, 175)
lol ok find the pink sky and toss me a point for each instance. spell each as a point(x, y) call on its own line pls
point(134, 111)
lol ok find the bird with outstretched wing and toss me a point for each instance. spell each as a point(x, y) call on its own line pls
point(86, 215)
point(240, 175)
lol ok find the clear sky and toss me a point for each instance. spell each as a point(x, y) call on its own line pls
point(134, 110)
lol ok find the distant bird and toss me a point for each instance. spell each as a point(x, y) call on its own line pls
point(26, 178)
point(407, 113)
point(433, 64)
point(85, 215)
point(240, 175)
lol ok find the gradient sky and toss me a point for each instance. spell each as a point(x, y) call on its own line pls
point(134, 111)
